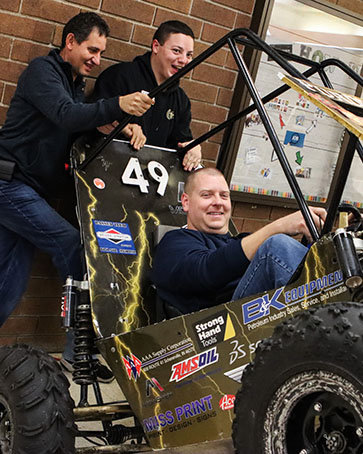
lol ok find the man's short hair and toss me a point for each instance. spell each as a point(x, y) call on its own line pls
point(170, 27)
point(82, 25)
point(192, 176)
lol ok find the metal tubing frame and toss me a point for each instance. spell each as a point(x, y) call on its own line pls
point(251, 39)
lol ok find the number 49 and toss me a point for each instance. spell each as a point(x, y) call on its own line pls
point(156, 171)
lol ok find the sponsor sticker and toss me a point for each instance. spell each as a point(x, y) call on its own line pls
point(133, 366)
point(214, 329)
point(192, 365)
point(114, 237)
point(227, 402)
point(100, 184)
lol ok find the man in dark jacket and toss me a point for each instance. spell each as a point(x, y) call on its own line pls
point(45, 111)
point(167, 124)
point(203, 265)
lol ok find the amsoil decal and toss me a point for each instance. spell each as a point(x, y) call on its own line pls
point(114, 237)
point(227, 402)
point(133, 366)
point(214, 329)
point(189, 366)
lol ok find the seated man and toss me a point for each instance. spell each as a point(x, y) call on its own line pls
point(167, 124)
point(203, 265)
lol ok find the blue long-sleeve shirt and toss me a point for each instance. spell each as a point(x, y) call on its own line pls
point(193, 270)
point(46, 110)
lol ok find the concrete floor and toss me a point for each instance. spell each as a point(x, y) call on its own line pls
point(111, 392)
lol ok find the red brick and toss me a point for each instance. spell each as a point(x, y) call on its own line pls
point(213, 75)
point(121, 51)
point(132, 9)
point(245, 5)
point(218, 58)
point(210, 150)
point(43, 288)
point(9, 91)
point(24, 51)
point(49, 9)
point(246, 210)
point(212, 33)
point(225, 97)
point(5, 45)
point(3, 111)
point(143, 35)
point(238, 223)
point(119, 28)
point(104, 64)
point(26, 28)
point(2, 85)
point(218, 137)
point(10, 5)
point(57, 38)
point(279, 212)
point(7, 340)
point(53, 344)
point(352, 5)
point(252, 225)
point(182, 6)
point(213, 13)
point(50, 325)
point(199, 91)
point(198, 128)
point(243, 21)
point(89, 3)
point(39, 306)
point(21, 325)
point(164, 15)
point(207, 112)
point(10, 71)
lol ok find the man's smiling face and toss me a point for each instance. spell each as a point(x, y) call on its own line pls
point(208, 204)
point(174, 54)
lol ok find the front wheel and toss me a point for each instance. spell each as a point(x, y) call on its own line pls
point(303, 393)
point(36, 410)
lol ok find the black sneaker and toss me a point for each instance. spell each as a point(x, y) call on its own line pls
point(103, 374)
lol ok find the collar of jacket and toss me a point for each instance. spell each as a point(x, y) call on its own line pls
point(78, 82)
point(144, 60)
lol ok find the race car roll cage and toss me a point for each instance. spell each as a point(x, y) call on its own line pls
point(248, 38)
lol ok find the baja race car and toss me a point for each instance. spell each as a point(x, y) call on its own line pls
point(296, 349)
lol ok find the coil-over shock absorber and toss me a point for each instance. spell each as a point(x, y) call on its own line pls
point(84, 348)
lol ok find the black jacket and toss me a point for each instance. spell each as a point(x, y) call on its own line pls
point(45, 111)
point(168, 121)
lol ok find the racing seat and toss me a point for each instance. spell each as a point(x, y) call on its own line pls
point(164, 310)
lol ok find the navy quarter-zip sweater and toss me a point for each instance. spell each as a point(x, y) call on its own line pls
point(164, 124)
point(193, 270)
point(46, 110)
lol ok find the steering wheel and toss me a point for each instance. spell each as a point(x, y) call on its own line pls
point(357, 223)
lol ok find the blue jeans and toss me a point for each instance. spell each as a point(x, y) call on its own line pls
point(272, 266)
point(27, 222)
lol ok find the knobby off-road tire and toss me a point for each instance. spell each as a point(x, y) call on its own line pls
point(36, 410)
point(303, 393)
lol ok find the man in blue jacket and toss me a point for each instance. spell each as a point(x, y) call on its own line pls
point(46, 110)
point(168, 123)
point(203, 265)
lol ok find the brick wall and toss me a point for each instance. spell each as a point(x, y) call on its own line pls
point(29, 28)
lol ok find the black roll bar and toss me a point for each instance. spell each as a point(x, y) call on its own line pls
point(247, 37)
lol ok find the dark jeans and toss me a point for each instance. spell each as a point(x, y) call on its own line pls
point(27, 222)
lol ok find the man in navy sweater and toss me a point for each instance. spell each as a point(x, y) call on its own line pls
point(46, 110)
point(203, 265)
point(167, 124)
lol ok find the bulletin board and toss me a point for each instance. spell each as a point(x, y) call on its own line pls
point(310, 138)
